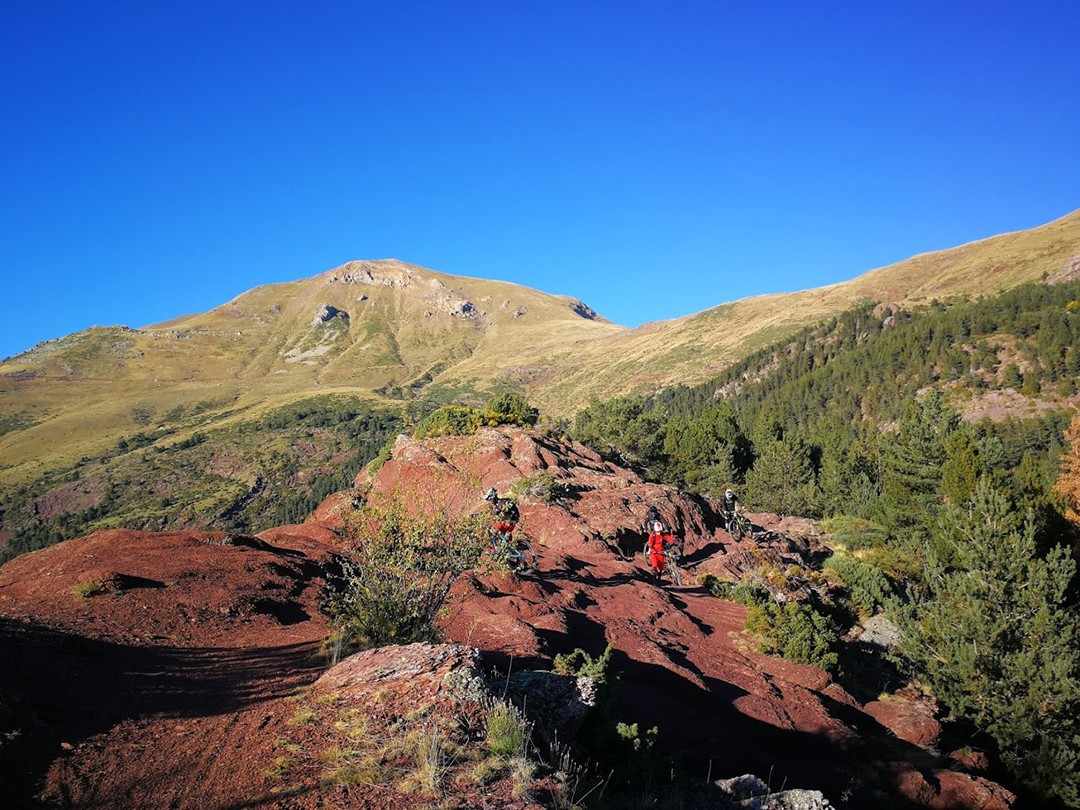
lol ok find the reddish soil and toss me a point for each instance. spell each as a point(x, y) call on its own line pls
point(193, 678)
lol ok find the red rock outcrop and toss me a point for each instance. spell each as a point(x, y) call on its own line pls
point(909, 715)
point(682, 661)
point(186, 654)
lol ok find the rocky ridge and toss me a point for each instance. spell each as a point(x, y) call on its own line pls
point(200, 652)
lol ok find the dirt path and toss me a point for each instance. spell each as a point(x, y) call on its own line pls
point(141, 726)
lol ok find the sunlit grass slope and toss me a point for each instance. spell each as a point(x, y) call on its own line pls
point(388, 331)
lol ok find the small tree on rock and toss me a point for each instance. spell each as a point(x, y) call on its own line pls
point(510, 409)
point(393, 583)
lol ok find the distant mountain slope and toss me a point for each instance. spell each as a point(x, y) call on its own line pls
point(694, 348)
point(378, 329)
point(389, 333)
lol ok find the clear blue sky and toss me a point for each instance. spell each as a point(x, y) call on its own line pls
point(651, 158)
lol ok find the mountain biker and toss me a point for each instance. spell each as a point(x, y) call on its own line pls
point(730, 504)
point(505, 514)
point(660, 540)
point(735, 524)
point(651, 517)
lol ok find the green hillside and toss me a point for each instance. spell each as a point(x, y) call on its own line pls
point(122, 408)
point(697, 347)
point(1009, 364)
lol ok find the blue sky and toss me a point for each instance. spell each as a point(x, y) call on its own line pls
point(651, 158)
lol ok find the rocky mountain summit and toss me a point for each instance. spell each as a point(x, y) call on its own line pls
point(188, 669)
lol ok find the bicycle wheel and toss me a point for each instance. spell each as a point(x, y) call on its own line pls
point(746, 529)
point(671, 568)
point(521, 557)
point(734, 527)
point(675, 573)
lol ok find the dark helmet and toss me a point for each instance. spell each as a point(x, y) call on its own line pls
point(491, 494)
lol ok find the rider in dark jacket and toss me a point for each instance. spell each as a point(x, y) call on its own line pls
point(730, 503)
point(651, 517)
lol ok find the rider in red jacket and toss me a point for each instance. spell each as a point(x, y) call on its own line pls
point(659, 541)
point(505, 517)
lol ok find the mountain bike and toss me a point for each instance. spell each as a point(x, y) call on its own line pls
point(671, 565)
point(516, 553)
point(738, 526)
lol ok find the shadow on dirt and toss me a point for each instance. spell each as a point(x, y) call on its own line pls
point(65, 688)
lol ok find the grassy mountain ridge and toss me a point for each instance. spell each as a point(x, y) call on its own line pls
point(694, 348)
point(360, 328)
point(386, 333)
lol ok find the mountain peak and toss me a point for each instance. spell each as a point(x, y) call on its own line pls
point(378, 272)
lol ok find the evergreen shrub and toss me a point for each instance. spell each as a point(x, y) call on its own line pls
point(543, 487)
point(450, 420)
point(868, 586)
point(751, 594)
point(854, 533)
point(510, 409)
point(797, 632)
point(463, 420)
point(580, 664)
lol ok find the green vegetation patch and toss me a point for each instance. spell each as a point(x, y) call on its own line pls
point(9, 423)
point(869, 587)
point(464, 420)
point(450, 420)
point(543, 486)
point(246, 477)
point(797, 632)
point(855, 533)
point(392, 584)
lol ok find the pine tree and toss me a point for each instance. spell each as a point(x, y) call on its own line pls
point(995, 639)
point(712, 438)
point(961, 468)
point(782, 479)
point(1011, 377)
point(914, 457)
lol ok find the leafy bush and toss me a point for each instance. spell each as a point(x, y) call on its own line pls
point(869, 587)
point(393, 584)
point(855, 533)
point(542, 486)
point(797, 632)
point(510, 409)
point(450, 420)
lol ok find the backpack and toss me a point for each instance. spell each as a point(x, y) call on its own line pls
point(651, 519)
point(506, 510)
